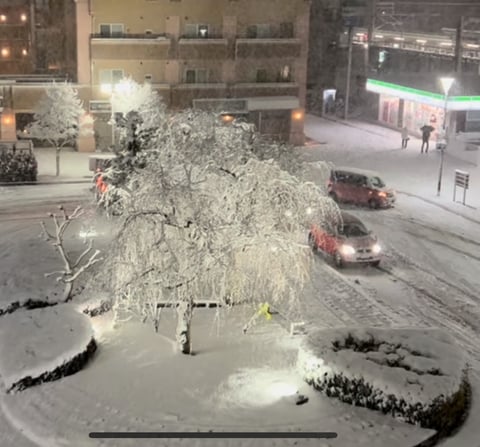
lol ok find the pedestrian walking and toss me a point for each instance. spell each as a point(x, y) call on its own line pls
point(426, 131)
point(404, 137)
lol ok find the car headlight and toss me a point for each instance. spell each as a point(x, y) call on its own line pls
point(376, 249)
point(382, 194)
point(347, 250)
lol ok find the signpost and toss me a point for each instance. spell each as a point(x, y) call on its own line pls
point(462, 180)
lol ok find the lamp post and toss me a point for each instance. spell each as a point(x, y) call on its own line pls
point(446, 85)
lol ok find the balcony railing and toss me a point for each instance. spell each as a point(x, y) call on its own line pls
point(216, 36)
point(127, 36)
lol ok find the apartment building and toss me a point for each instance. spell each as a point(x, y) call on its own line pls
point(37, 46)
point(241, 57)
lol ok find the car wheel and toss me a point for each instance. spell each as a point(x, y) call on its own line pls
point(375, 263)
point(333, 196)
point(337, 259)
point(373, 204)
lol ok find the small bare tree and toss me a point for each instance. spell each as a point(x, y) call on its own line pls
point(72, 269)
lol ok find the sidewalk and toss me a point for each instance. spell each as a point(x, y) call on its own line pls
point(369, 146)
point(73, 166)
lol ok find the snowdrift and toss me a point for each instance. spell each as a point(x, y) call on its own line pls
point(416, 375)
point(42, 345)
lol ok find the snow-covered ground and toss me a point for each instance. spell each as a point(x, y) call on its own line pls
point(429, 278)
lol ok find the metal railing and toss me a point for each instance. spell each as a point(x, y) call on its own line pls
point(126, 36)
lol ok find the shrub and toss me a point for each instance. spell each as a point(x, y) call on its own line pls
point(415, 375)
point(17, 166)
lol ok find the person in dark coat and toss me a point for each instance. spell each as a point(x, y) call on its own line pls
point(426, 131)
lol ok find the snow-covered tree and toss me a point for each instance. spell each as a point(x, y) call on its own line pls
point(211, 220)
point(139, 118)
point(57, 118)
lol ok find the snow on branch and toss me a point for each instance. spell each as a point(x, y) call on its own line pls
point(71, 269)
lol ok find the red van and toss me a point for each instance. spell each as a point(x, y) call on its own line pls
point(360, 187)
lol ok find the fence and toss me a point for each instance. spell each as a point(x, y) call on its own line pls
point(19, 145)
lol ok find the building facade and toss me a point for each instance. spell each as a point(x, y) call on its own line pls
point(243, 56)
point(37, 46)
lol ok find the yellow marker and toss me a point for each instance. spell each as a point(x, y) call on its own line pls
point(265, 310)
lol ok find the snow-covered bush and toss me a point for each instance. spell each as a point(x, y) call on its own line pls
point(57, 118)
point(43, 345)
point(416, 375)
point(17, 166)
point(210, 220)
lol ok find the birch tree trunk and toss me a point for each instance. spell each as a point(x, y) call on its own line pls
point(184, 321)
point(67, 291)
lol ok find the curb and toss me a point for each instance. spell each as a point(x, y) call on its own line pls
point(440, 205)
point(59, 182)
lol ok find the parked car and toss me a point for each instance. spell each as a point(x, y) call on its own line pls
point(351, 242)
point(360, 187)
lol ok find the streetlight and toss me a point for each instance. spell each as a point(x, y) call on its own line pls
point(118, 93)
point(446, 85)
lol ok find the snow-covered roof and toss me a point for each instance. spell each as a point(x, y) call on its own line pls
point(357, 171)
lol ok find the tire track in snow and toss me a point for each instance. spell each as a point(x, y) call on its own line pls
point(351, 304)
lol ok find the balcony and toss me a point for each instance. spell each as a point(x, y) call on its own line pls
point(268, 47)
point(147, 46)
point(211, 47)
point(248, 89)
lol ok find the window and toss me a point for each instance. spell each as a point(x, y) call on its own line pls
point(258, 31)
point(285, 74)
point(196, 76)
point(193, 30)
point(286, 30)
point(148, 78)
point(111, 29)
point(261, 75)
point(111, 76)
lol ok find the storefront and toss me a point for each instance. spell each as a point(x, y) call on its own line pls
point(416, 115)
point(405, 106)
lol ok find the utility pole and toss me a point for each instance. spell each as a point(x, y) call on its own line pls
point(349, 71)
point(459, 47)
point(371, 30)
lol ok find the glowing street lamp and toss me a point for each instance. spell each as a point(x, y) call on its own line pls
point(447, 83)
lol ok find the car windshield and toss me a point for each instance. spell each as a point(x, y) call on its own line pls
point(377, 182)
point(354, 229)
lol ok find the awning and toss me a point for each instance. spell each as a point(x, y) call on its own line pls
point(423, 96)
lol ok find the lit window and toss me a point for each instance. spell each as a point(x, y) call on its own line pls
point(24, 52)
point(3, 18)
point(5, 52)
point(23, 17)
